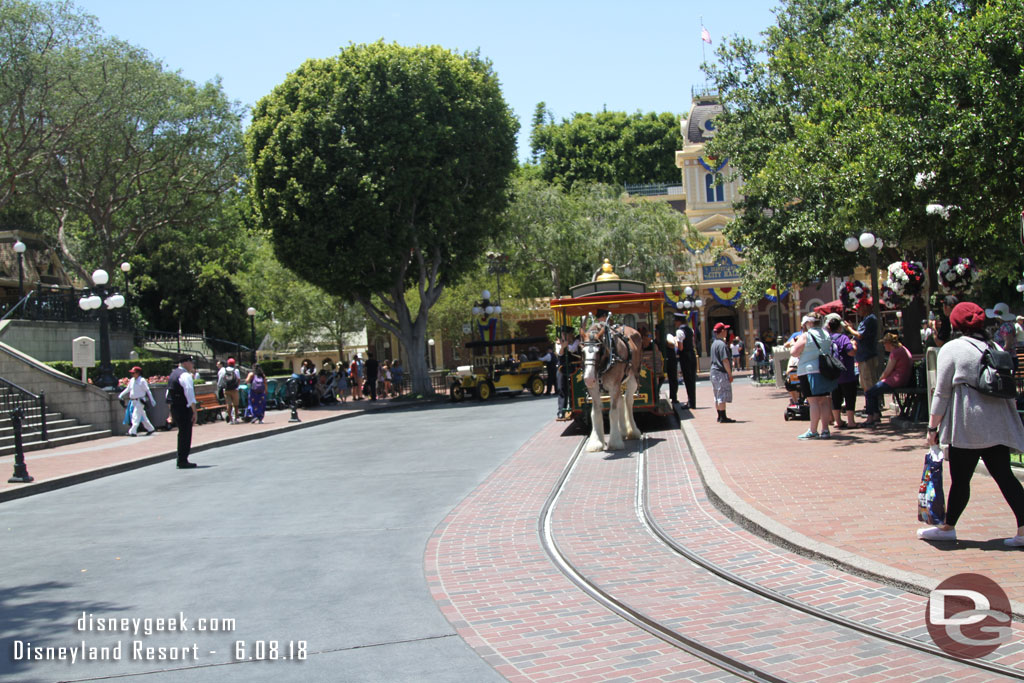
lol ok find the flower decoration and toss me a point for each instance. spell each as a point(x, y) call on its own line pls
point(889, 297)
point(852, 292)
point(906, 278)
point(958, 274)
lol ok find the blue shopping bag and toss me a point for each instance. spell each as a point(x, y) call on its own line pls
point(128, 413)
point(931, 503)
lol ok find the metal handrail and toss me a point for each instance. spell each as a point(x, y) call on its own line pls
point(17, 397)
point(21, 302)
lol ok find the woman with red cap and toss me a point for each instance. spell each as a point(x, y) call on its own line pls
point(975, 425)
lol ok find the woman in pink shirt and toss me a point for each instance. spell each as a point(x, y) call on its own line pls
point(897, 374)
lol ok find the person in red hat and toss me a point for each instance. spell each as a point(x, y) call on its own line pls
point(721, 371)
point(974, 425)
point(138, 393)
point(228, 379)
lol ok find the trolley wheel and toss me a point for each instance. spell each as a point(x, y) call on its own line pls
point(536, 385)
point(787, 416)
point(458, 393)
point(484, 390)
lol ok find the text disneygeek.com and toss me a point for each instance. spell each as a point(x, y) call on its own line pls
point(138, 649)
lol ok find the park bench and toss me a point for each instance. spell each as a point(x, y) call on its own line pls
point(911, 399)
point(208, 408)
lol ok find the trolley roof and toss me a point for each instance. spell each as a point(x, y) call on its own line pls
point(619, 302)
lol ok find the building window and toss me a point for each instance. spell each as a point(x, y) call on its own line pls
point(715, 193)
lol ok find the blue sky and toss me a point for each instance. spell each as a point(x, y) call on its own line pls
point(575, 56)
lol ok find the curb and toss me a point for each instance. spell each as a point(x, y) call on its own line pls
point(108, 470)
point(747, 516)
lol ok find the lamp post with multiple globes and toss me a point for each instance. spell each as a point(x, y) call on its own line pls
point(251, 312)
point(872, 244)
point(689, 303)
point(105, 300)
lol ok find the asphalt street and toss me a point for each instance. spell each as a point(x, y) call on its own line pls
point(311, 542)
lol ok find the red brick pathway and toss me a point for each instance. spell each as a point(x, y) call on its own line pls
point(855, 493)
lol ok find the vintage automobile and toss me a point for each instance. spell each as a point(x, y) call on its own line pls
point(629, 302)
point(500, 367)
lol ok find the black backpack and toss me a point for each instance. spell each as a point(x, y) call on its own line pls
point(996, 376)
point(230, 379)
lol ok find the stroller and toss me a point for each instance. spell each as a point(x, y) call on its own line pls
point(798, 410)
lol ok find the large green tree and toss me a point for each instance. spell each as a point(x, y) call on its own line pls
point(557, 239)
point(610, 147)
point(295, 313)
point(381, 169)
point(41, 104)
point(160, 153)
point(853, 116)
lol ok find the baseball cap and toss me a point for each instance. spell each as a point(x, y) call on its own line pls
point(231, 361)
point(137, 369)
point(720, 326)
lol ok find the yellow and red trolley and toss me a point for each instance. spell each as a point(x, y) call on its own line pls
point(629, 303)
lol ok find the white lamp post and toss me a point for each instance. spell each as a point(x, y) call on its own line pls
point(19, 249)
point(251, 312)
point(872, 244)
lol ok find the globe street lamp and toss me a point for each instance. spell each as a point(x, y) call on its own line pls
point(430, 343)
point(104, 300)
point(19, 249)
point(251, 312)
point(691, 304)
point(485, 306)
point(872, 244)
point(126, 268)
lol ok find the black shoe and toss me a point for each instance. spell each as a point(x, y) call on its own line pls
point(684, 406)
point(186, 465)
point(151, 432)
point(130, 434)
point(727, 419)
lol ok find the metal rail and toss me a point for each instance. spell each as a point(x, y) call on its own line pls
point(13, 397)
point(690, 645)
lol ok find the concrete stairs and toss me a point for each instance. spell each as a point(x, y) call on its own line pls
point(60, 431)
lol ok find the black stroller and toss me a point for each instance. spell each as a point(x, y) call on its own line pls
point(798, 410)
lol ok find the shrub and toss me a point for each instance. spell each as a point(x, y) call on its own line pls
point(122, 368)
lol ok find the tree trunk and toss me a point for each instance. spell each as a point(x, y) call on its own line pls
point(415, 346)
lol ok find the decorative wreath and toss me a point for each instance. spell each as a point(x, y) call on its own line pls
point(906, 279)
point(851, 293)
point(958, 274)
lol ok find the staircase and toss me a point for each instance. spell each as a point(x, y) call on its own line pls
point(60, 431)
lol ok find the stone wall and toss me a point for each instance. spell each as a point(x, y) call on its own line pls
point(88, 404)
point(47, 340)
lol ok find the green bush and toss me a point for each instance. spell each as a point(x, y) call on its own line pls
point(272, 367)
point(151, 367)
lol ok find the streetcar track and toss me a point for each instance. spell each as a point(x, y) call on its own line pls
point(690, 645)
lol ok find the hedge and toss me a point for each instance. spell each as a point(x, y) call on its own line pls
point(272, 367)
point(151, 367)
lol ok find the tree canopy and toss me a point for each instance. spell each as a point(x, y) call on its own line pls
point(557, 239)
point(381, 169)
point(852, 116)
point(610, 147)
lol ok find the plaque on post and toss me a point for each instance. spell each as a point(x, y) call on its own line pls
point(83, 354)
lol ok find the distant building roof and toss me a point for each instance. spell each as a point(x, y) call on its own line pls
point(699, 125)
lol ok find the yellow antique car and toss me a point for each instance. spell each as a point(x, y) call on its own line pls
point(503, 367)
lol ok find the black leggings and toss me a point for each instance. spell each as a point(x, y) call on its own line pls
point(962, 462)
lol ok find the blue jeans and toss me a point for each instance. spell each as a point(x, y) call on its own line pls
point(872, 397)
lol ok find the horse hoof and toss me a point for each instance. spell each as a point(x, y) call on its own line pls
point(594, 446)
point(633, 436)
point(616, 446)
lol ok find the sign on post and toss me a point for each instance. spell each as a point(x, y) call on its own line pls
point(83, 354)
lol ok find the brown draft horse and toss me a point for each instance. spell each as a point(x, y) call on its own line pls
point(611, 356)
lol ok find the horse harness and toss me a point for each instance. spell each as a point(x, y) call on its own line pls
point(609, 335)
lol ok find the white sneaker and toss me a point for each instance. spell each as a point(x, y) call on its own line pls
point(934, 533)
point(1016, 541)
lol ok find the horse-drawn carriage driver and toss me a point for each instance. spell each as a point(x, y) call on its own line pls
point(567, 349)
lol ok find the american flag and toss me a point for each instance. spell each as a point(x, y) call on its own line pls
point(704, 35)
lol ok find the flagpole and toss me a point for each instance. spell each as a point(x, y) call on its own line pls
point(703, 56)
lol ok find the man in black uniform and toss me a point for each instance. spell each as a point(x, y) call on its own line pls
point(371, 368)
point(688, 360)
point(567, 346)
point(181, 395)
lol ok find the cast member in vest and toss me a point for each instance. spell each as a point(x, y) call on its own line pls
point(687, 352)
point(182, 397)
point(138, 393)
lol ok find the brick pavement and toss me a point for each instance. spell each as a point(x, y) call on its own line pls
point(853, 498)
